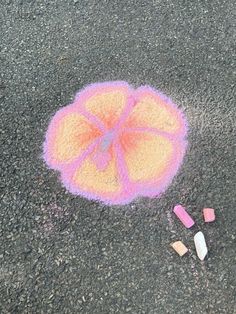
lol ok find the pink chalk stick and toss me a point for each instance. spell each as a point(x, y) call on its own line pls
point(209, 214)
point(183, 216)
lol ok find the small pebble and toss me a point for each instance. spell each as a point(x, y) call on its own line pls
point(200, 245)
point(183, 216)
point(209, 214)
point(179, 247)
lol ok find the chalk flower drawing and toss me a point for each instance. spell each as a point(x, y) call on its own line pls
point(115, 143)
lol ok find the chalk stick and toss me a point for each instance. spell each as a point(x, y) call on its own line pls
point(209, 214)
point(183, 216)
point(200, 245)
point(179, 247)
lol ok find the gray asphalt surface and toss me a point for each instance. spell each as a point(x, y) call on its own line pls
point(64, 254)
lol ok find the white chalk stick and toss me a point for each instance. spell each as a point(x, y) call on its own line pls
point(200, 244)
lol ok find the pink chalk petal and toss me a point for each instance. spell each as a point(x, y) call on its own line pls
point(183, 216)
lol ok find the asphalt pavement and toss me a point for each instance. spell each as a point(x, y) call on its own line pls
point(64, 254)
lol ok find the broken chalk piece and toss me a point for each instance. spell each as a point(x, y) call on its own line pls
point(209, 214)
point(183, 216)
point(200, 244)
point(179, 247)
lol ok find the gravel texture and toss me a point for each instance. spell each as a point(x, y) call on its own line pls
point(64, 254)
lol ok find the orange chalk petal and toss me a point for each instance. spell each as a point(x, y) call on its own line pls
point(107, 103)
point(72, 134)
point(89, 178)
point(147, 155)
point(151, 111)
